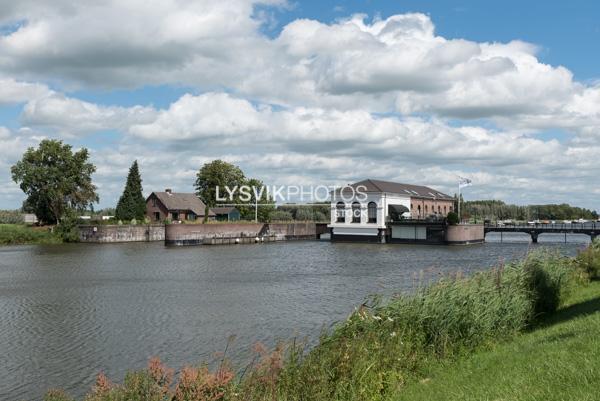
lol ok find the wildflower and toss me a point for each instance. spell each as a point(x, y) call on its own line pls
point(393, 334)
point(390, 319)
point(377, 317)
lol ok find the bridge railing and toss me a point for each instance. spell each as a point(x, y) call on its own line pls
point(550, 226)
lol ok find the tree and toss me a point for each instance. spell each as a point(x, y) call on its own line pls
point(55, 180)
point(265, 207)
point(217, 174)
point(132, 204)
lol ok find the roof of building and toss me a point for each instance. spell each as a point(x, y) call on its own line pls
point(414, 191)
point(182, 201)
point(223, 210)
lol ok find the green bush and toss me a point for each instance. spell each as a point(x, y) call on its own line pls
point(68, 227)
point(280, 215)
point(304, 214)
point(452, 218)
point(588, 261)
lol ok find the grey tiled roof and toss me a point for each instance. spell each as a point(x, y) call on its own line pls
point(414, 191)
point(182, 201)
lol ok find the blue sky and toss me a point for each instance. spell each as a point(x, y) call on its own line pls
point(507, 93)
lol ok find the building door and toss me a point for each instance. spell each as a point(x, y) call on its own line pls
point(156, 216)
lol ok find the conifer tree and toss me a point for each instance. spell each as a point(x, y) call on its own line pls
point(132, 204)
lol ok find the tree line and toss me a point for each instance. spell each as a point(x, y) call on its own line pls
point(498, 210)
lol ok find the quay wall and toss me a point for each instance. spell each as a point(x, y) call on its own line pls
point(195, 234)
point(464, 234)
point(121, 233)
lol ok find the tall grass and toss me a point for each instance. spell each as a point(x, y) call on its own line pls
point(11, 234)
point(380, 347)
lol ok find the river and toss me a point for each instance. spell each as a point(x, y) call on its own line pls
point(71, 311)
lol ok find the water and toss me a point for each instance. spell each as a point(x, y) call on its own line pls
point(71, 311)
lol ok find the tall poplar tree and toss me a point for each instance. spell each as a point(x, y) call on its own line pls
point(132, 204)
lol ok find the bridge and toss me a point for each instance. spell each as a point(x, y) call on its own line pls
point(592, 229)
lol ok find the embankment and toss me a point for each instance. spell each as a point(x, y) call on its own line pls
point(121, 233)
point(195, 234)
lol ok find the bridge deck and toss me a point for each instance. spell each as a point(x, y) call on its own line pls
point(591, 229)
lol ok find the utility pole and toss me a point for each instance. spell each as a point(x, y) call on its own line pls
point(256, 209)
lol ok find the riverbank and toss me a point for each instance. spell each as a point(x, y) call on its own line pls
point(558, 361)
point(20, 234)
point(384, 348)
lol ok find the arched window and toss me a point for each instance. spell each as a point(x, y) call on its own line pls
point(340, 212)
point(445, 213)
point(426, 209)
point(355, 212)
point(419, 210)
point(439, 209)
point(372, 212)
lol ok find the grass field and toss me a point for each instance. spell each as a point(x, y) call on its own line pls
point(16, 234)
point(559, 360)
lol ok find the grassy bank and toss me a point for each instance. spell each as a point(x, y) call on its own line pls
point(386, 350)
point(558, 361)
point(13, 234)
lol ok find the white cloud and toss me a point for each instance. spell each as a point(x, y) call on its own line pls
point(13, 91)
point(386, 98)
point(70, 116)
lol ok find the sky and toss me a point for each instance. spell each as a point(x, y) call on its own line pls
point(310, 92)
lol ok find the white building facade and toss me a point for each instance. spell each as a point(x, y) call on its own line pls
point(362, 211)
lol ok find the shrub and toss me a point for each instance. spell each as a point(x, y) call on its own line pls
point(304, 214)
point(68, 229)
point(452, 218)
point(280, 215)
point(588, 261)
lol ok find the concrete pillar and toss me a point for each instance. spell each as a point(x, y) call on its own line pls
point(534, 237)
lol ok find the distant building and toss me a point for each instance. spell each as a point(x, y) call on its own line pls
point(176, 206)
point(226, 213)
point(364, 210)
point(30, 218)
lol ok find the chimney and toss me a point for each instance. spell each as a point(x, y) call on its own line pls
point(168, 190)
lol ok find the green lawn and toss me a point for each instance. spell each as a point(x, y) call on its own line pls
point(13, 234)
point(558, 361)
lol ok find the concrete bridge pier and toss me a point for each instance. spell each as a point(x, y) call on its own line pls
point(534, 237)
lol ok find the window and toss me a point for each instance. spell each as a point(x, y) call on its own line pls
point(191, 216)
point(419, 210)
point(156, 216)
point(154, 202)
point(439, 209)
point(426, 209)
point(175, 216)
point(372, 212)
point(355, 212)
point(445, 210)
point(340, 212)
